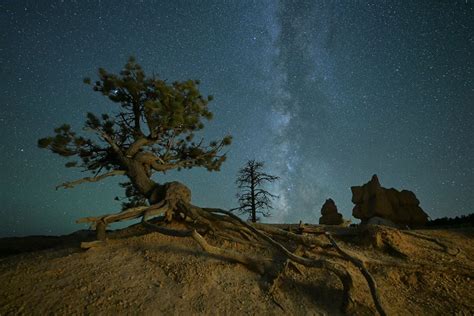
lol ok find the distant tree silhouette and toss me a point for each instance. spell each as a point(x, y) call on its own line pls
point(253, 199)
point(458, 221)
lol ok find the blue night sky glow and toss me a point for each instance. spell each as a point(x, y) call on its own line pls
point(327, 93)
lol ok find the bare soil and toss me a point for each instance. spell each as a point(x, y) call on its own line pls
point(137, 272)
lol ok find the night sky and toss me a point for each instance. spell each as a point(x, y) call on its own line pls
point(327, 93)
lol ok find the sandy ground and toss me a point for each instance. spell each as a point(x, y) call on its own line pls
point(152, 274)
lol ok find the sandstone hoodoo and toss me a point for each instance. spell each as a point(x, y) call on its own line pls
point(330, 215)
point(400, 207)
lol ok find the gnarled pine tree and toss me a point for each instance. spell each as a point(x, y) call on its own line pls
point(152, 131)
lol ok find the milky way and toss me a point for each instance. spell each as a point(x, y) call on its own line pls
point(327, 93)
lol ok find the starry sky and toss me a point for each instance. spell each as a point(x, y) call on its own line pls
point(327, 93)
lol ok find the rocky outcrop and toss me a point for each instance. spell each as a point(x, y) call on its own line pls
point(400, 207)
point(330, 215)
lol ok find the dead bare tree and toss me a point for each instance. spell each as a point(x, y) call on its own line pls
point(153, 131)
point(253, 198)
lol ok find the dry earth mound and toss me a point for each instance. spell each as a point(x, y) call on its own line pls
point(426, 272)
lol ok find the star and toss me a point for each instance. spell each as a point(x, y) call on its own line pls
point(327, 94)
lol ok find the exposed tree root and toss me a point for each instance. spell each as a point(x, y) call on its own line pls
point(361, 265)
point(276, 279)
point(225, 225)
point(453, 252)
point(306, 240)
point(92, 244)
point(126, 215)
point(257, 264)
point(384, 238)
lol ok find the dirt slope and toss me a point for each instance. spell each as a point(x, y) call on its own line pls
point(156, 274)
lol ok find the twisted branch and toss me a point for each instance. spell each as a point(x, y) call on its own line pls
point(71, 184)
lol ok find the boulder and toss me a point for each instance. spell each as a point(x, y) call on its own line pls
point(330, 215)
point(381, 221)
point(399, 207)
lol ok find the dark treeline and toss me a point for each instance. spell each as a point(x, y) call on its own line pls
point(458, 221)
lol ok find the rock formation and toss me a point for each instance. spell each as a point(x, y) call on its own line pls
point(401, 208)
point(330, 215)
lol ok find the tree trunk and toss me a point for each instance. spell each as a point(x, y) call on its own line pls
point(153, 191)
point(252, 192)
point(100, 229)
point(140, 178)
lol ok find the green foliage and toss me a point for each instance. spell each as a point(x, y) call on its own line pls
point(227, 140)
point(70, 164)
point(45, 142)
point(66, 143)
